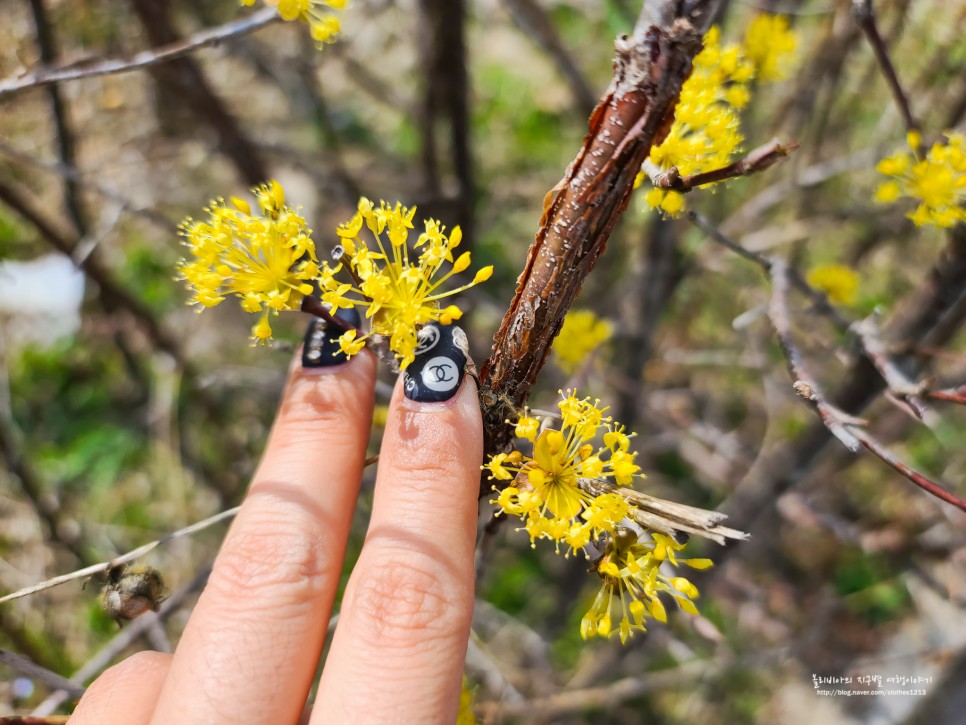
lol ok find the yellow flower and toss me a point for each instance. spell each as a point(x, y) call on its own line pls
point(546, 493)
point(317, 14)
point(707, 128)
point(937, 181)
point(400, 290)
point(266, 259)
point(770, 45)
point(835, 280)
point(630, 572)
point(582, 333)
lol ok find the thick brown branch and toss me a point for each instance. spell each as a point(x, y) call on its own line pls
point(45, 75)
point(581, 211)
point(757, 160)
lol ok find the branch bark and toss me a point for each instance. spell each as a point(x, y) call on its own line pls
point(580, 212)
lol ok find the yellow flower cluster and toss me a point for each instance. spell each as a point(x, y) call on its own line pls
point(266, 259)
point(582, 333)
point(837, 281)
point(630, 572)
point(317, 14)
point(938, 181)
point(707, 128)
point(545, 490)
point(769, 45)
point(399, 295)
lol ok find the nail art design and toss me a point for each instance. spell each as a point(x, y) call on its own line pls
point(321, 348)
point(442, 353)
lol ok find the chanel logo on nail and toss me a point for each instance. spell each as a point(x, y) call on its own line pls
point(440, 365)
point(440, 374)
point(426, 339)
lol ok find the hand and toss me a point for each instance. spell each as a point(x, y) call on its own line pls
point(252, 645)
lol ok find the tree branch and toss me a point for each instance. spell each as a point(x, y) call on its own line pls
point(45, 75)
point(757, 160)
point(848, 429)
point(581, 211)
point(865, 17)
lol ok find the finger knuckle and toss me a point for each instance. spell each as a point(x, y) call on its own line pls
point(277, 556)
point(403, 600)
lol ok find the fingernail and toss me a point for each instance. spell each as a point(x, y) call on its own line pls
point(321, 348)
point(440, 365)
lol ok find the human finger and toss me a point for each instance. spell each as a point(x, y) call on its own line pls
point(251, 647)
point(124, 694)
point(399, 648)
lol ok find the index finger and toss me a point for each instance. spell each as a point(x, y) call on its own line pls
point(252, 644)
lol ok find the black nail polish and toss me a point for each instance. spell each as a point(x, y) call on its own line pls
point(321, 348)
point(440, 365)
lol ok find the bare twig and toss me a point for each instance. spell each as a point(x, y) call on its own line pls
point(65, 134)
point(865, 16)
point(899, 384)
point(123, 558)
point(930, 487)
point(589, 698)
point(757, 160)
point(805, 384)
point(29, 668)
point(46, 75)
point(848, 429)
point(951, 396)
point(817, 298)
point(134, 553)
point(533, 19)
point(121, 641)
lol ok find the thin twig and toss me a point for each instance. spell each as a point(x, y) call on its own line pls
point(877, 449)
point(756, 160)
point(66, 147)
point(123, 558)
point(121, 641)
point(951, 396)
point(805, 384)
point(848, 429)
point(899, 384)
point(44, 75)
point(865, 17)
point(816, 297)
point(607, 696)
point(134, 553)
point(31, 669)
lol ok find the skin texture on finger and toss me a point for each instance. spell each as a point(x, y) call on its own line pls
point(126, 693)
point(397, 654)
point(252, 644)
